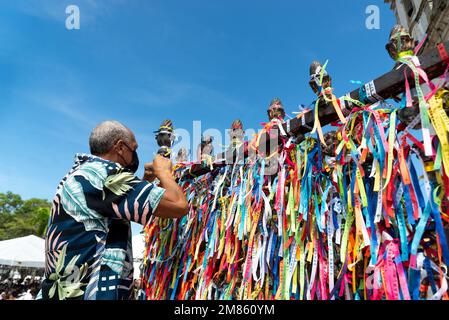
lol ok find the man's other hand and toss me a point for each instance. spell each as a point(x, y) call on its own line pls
point(149, 172)
point(162, 166)
point(173, 203)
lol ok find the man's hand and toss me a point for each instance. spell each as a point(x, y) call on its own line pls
point(149, 172)
point(173, 203)
point(161, 166)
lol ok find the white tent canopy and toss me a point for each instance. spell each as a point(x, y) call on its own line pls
point(138, 243)
point(23, 252)
point(30, 252)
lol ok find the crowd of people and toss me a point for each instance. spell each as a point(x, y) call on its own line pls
point(13, 288)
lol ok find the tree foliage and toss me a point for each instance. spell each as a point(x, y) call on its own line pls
point(19, 218)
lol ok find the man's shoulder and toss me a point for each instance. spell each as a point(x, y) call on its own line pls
point(84, 183)
point(83, 159)
point(94, 167)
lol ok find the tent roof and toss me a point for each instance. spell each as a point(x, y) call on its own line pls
point(138, 243)
point(30, 251)
point(26, 251)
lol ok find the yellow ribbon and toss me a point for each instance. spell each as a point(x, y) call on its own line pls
point(440, 122)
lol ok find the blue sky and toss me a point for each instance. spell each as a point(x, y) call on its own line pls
point(143, 61)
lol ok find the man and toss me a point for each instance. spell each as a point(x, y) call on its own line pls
point(88, 242)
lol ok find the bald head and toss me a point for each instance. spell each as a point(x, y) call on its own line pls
point(105, 135)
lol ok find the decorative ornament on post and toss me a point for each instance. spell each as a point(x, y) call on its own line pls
point(331, 139)
point(236, 133)
point(321, 84)
point(182, 155)
point(276, 110)
point(236, 150)
point(319, 78)
point(165, 138)
point(205, 148)
point(270, 143)
point(400, 45)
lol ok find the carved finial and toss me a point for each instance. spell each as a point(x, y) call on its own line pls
point(236, 132)
point(400, 41)
point(205, 148)
point(315, 82)
point(276, 110)
point(182, 155)
point(165, 138)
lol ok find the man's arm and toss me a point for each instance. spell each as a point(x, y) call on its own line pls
point(173, 203)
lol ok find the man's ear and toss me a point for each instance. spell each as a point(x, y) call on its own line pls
point(118, 147)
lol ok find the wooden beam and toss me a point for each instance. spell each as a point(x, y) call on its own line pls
point(387, 86)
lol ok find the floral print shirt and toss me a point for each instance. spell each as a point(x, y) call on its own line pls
point(88, 241)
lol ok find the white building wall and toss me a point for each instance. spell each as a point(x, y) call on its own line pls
point(420, 25)
point(420, 28)
point(401, 14)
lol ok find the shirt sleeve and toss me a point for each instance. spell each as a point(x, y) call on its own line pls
point(134, 200)
point(139, 203)
point(119, 194)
